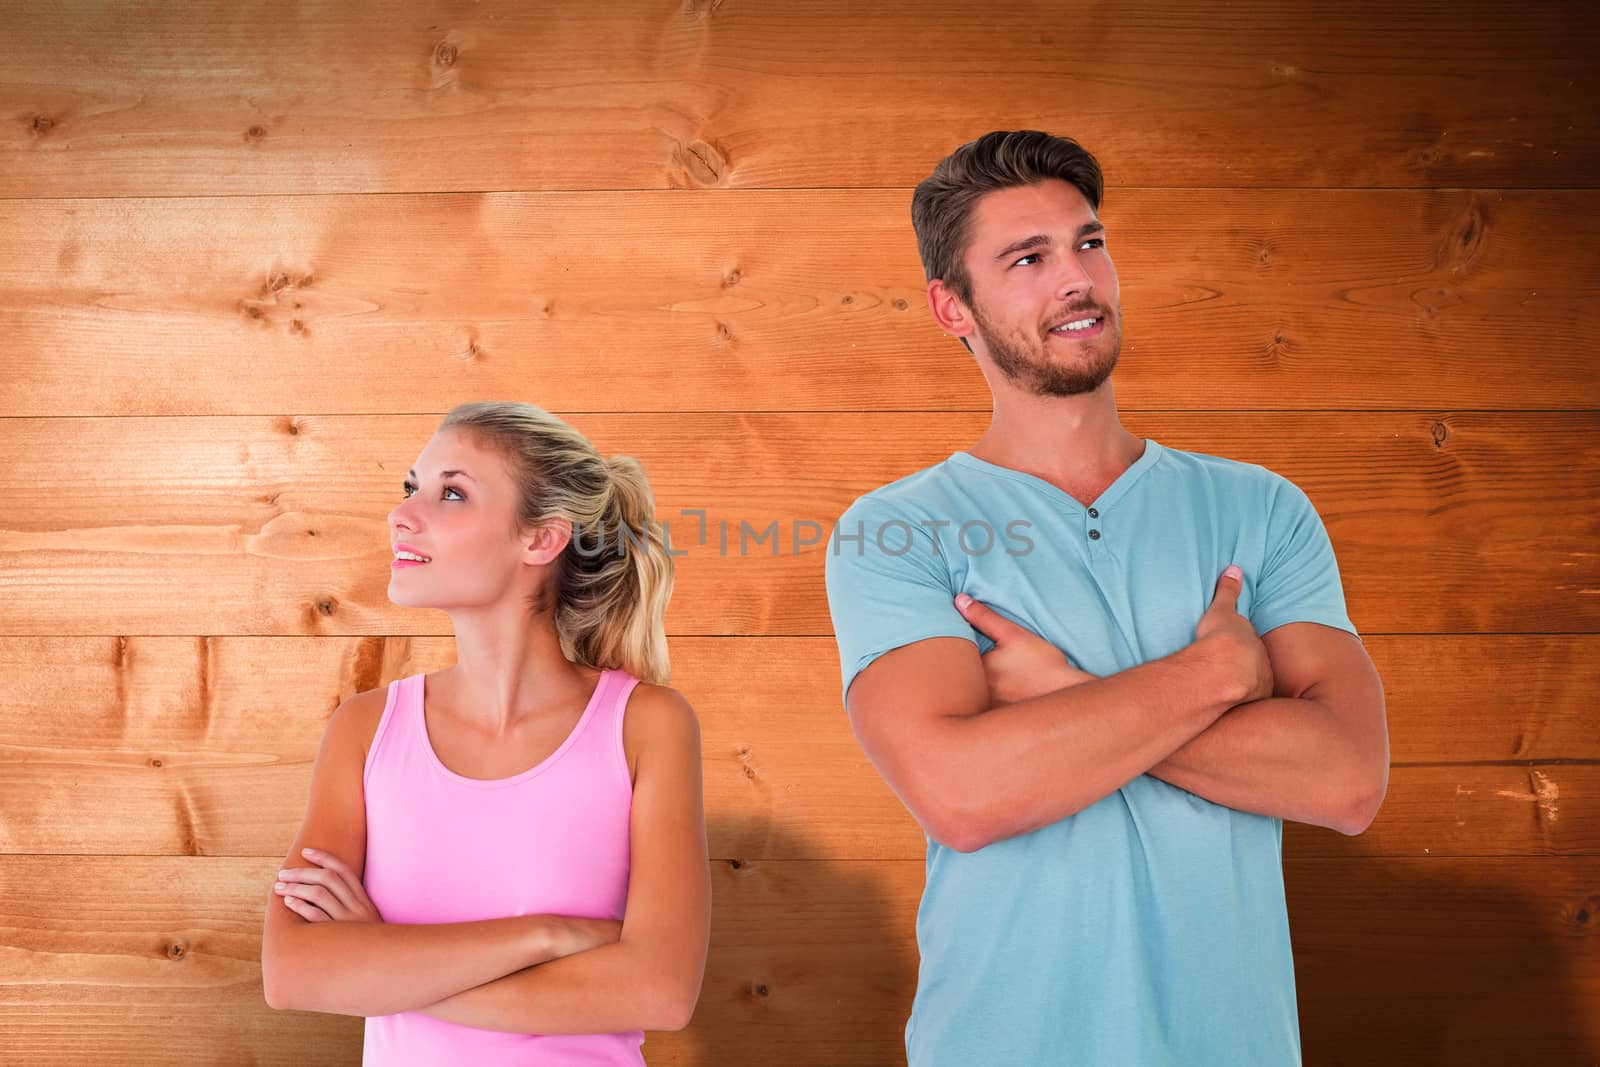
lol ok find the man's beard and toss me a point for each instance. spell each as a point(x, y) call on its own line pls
point(1022, 359)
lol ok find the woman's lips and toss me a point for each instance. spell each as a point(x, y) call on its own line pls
point(397, 564)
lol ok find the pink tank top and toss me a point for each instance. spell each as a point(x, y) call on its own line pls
point(445, 848)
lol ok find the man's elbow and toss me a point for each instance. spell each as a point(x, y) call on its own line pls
point(1361, 806)
point(956, 838)
point(962, 825)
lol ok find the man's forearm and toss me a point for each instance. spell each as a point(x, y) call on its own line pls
point(357, 968)
point(1020, 766)
point(1286, 757)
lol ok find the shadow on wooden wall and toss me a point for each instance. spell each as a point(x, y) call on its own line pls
point(812, 961)
point(1468, 960)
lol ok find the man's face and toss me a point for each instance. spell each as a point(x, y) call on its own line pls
point(1038, 262)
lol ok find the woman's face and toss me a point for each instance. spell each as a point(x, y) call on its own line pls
point(457, 509)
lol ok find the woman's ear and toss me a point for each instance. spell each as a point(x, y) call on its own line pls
point(548, 539)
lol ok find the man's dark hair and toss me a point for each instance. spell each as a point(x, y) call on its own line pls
point(942, 204)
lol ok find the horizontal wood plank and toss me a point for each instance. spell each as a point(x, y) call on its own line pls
point(208, 98)
point(180, 746)
point(1485, 961)
point(246, 262)
point(768, 301)
point(810, 962)
point(1442, 523)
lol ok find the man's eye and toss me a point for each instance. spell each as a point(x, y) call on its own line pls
point(1095, 241)
point(1030, 255)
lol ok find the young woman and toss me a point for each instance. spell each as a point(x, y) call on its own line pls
point(504, 862)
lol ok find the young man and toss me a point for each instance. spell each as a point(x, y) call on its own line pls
point(1101, 745)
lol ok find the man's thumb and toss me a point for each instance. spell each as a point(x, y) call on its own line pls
point(1229, 584)
point(982, 616)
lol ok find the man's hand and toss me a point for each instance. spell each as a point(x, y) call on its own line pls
point(1021, 664)
point(1227, 637)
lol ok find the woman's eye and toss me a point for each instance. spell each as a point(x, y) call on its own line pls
point(407, 489)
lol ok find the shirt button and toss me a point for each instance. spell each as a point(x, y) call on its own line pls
point(1094, 535)
point(1093, 514)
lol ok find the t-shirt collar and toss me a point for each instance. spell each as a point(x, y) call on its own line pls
point(1113, 492)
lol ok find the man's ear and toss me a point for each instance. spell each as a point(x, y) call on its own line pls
point(949, 313)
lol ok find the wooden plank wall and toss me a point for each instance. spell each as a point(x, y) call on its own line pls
point(249, 256)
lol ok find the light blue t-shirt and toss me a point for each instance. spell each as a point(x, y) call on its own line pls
point(1149, 928)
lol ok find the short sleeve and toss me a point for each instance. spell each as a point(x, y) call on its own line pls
point(1299, 579)
point(888, 585)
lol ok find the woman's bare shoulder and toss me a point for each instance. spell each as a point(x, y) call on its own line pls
point(657, 716)
point(355, 721)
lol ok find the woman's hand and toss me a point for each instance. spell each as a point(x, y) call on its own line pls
point(1021, 664)
point(329, 892)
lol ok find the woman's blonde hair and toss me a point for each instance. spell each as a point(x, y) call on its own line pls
point(614, 578)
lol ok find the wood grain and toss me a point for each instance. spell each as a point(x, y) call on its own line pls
point(175, 746)
point(774, 301)
point(209, 98)
point(1437, 961)
point(248, 259)
point(1442, 523)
